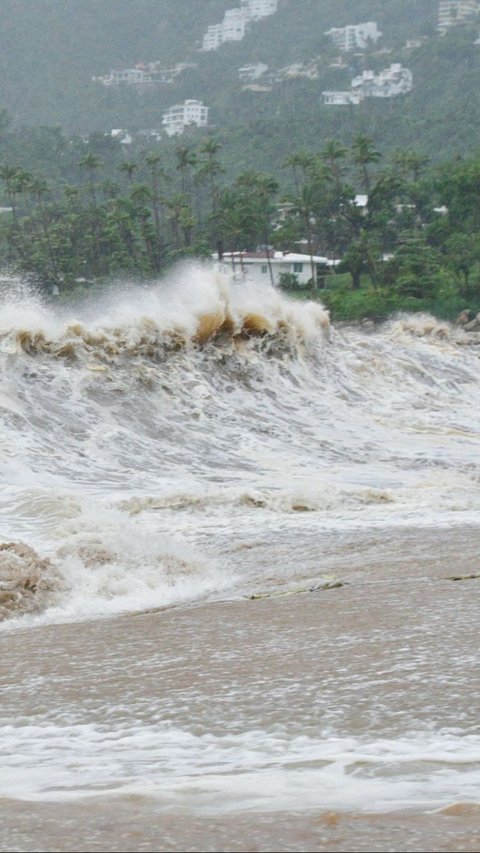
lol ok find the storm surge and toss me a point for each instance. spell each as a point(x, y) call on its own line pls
point(177, 440)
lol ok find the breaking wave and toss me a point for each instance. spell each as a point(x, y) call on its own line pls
point(147, 436)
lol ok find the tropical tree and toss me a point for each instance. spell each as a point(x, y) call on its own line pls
point(91, 163)
point(364, 155)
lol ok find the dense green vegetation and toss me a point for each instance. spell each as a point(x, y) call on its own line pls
point(51, 50)
point(83, 207)
point(92, 214)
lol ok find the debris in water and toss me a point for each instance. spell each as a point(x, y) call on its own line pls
point(330, 583)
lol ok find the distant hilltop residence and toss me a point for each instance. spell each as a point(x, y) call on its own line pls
point(354, 36)
point(249, 73)
point(235, 22)
point(389, 83)
point(298, 69)
point(452, 12)
point(144, 74)
point(180, 116)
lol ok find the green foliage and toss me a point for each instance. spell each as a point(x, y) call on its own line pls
point(415, 246)
point(288, 281)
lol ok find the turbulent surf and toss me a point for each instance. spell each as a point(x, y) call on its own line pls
point(149, 438)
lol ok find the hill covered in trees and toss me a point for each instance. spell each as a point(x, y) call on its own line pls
point(51, 50)
point(276, 167)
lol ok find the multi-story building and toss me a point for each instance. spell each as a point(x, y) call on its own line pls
point(354, 36)
point(235, 22)
point(451, 12)
point(258, 9)
point(213, 38)
point(178, 117)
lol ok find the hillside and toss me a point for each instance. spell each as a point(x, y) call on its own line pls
point(50, 51)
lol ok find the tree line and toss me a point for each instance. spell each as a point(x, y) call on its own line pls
point(413, 235)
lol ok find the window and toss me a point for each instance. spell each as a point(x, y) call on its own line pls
point(297, 267)
point(264, 268)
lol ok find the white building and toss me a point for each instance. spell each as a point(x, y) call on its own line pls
point(235, 22)
point(151, 133)
point(390, 82)
point(249, 73)
point(258, 9)
point(451, 12)
point(256, 265)
point(341, 99)
point(144, 74)
point(178, 117)
point(122, 136)
point(232, 28)
point(213, 38)
point(126, 76)
point(354, 36)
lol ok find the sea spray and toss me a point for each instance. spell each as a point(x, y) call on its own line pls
point(150, 435)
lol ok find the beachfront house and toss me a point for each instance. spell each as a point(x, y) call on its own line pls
point(283, 267)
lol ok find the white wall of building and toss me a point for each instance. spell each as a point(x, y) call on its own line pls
point(354, 36)
point(392, 81)
point(252, 72)
point(258, 9)
point(178, 117)
point(340, 99)
point(235, 22)
point(258, 268)
point(451, 12)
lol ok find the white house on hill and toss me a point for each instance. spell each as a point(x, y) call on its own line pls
point(390, 82)
point(341, 99)
point(178, 117)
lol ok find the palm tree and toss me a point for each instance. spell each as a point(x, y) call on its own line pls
point(410, 163)
point(305, 206)
point(261, 189)
point(332, 154)
point(157, 174)
point(364, 155)
point(186, 160)
point(91, 163)
point(128, 168)
point(208, 171)
point(300, 162)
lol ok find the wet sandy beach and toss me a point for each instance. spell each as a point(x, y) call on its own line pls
point(344, 719)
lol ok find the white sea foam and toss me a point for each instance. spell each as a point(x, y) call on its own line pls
point(157, 422)
point(256, 770)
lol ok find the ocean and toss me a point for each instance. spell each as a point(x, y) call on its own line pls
point(239, 574)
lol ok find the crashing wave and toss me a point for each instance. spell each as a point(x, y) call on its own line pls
point(195, 307)
point(27, 582)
